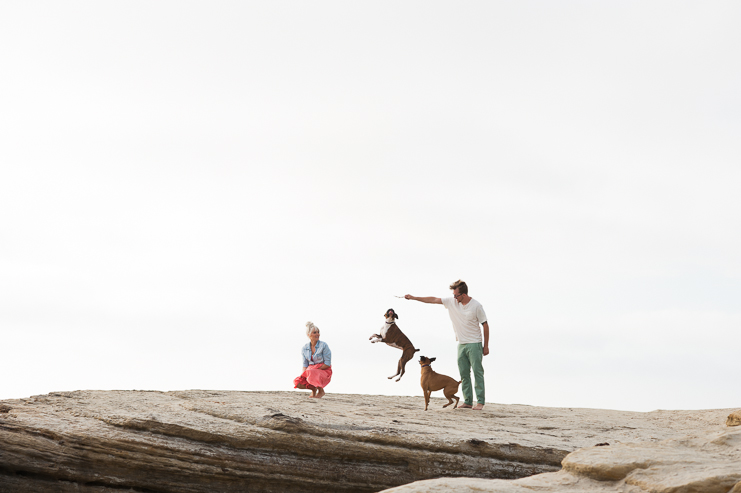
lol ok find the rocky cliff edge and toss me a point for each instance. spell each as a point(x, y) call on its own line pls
point(228, 441)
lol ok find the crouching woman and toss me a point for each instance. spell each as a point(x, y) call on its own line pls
point(317, 364)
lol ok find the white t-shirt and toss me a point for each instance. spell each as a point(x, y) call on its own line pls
point(466, 319)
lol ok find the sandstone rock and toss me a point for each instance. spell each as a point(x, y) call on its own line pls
point(205, 441)
point(734, 419)
point(706, 462)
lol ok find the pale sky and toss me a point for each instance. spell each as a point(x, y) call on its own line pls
point(184, 184)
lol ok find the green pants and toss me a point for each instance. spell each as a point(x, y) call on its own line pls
point(471, 356)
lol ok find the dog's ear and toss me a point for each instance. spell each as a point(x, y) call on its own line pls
point(432, 359)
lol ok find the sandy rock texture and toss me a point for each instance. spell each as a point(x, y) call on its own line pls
point(206, 441)
point(706, 461)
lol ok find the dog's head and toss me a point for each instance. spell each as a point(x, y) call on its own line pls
point(390, 313)
point(424, 360)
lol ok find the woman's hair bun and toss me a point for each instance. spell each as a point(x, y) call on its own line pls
point(310, 327)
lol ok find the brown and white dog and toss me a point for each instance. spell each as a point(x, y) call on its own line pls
point(432, 381)
point(392, 335)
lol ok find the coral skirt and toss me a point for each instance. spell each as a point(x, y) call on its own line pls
point(313, 376)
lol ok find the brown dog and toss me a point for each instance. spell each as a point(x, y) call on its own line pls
point(392, 335)
point(432, 381)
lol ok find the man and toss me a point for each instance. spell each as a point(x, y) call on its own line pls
point(466, 314)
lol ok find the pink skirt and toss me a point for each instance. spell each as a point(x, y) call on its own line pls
point(313, 376)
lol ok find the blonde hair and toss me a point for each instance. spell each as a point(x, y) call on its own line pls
point(310, 327)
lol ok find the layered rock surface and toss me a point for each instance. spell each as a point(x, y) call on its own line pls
point(204, 441)
point(706, 461)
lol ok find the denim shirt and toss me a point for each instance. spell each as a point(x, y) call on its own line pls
point(322, 354)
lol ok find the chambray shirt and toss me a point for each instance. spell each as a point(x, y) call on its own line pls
point(322, 354)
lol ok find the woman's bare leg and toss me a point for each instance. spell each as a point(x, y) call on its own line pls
point(307, 387)
point(321, 393)
point(313, 390)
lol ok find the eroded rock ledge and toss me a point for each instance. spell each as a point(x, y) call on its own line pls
point(205, 441)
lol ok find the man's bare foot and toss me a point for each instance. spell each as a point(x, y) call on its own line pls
point(464, 406)
point(478, 407)
point(320, 394)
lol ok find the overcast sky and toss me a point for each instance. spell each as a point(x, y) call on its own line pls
point(184, 184)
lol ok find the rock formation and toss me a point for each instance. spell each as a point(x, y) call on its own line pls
point(205, 441)
point(707, 461)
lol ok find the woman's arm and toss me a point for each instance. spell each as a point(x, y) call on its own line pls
point(326, 357)
point(303, 357)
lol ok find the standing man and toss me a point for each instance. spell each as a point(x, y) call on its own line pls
point(466, 314)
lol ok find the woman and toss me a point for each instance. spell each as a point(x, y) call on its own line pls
point(317, 364)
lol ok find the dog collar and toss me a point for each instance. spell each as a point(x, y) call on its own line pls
point(424, 366)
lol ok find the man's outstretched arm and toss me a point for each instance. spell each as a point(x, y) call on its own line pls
point(426, 299)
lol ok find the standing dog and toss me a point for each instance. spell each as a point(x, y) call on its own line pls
point(392, 335)
point(432, 381)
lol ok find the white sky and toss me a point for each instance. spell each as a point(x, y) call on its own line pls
point(184, 184)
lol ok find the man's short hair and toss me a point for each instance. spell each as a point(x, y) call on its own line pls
point(460, 286)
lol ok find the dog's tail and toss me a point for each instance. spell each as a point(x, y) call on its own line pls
point(416, 350)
